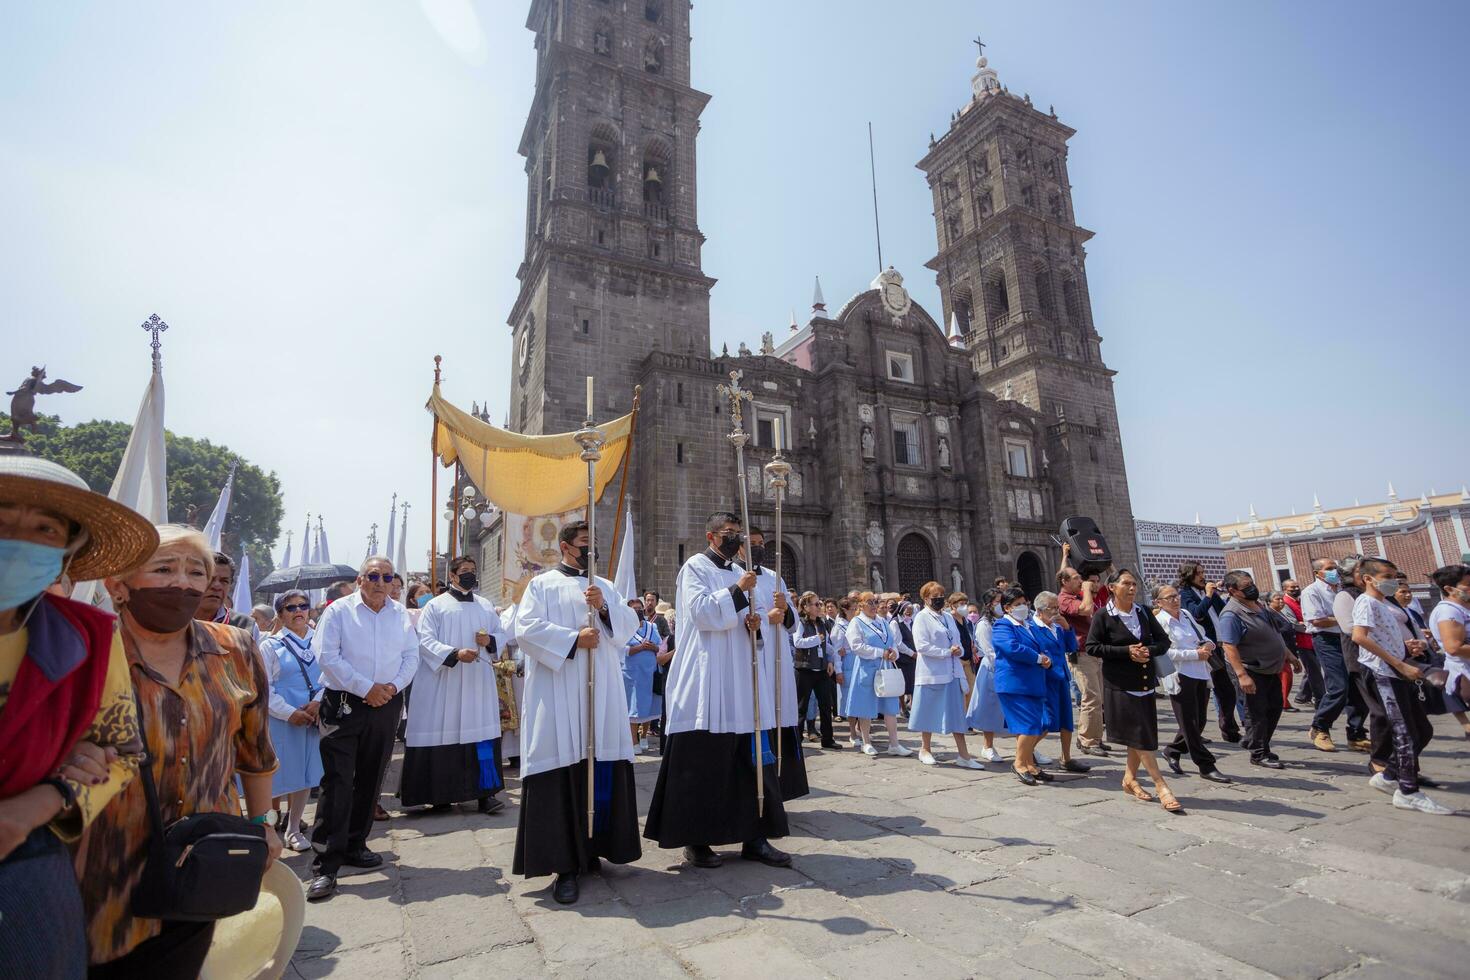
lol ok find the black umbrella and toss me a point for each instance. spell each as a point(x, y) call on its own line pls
point(314, 576)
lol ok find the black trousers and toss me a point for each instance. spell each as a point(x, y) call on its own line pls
point(176, 953)
point(1384, 729)
point(1263, 711)
point(1190, 705)
point(1224, 684)
point(352, 765)
point(809, 682)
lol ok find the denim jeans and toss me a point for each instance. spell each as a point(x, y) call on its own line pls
point(1339, 693)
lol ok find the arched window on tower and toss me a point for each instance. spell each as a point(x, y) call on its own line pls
point(653, 57)
point(997, 298)
point(1044, 298)
point(653, 11)
point(655, 177)
point(602, 38)
point(602, 168)
point(964, 312)
point(1073, 301)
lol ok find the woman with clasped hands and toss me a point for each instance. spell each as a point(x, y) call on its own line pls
point(874, 640)
point(203, 693)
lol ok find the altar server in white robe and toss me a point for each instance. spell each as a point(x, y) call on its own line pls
point(510, 742)
point(551, 629)
point(452, 742)
point(792, 770)
point(705, 793)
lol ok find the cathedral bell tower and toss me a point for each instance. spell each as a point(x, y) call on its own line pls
point(612, 269)
point(1011, 269)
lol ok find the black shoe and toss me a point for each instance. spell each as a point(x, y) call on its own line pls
point(1105, 747)
point(321, 887)
point(1024, 776)
point(1042, 776)
point(594, 865)
point(832, 745)
point(1173, 761)
point(1206, 740)
point(1072, 765)
point(1214, 776)
point(491, 804)
point(440, 808)
point(1232, 737)
point(1431, 783)
point(1268, 763)
point(362, 858)
point(565, 890)
point(701, 856)
point(762, 851)
point(1094, 750)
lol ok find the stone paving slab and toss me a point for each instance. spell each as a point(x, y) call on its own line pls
point(902, 870)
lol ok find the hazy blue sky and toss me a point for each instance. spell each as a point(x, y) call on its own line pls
point(319, 197)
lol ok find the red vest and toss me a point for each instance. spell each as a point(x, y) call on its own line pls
point(56, 691)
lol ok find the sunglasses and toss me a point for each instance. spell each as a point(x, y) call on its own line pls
point(296, 607)
point(386, 577)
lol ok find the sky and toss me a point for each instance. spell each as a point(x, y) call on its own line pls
point(320, 197)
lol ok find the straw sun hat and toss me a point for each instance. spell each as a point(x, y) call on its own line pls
point(114, 538)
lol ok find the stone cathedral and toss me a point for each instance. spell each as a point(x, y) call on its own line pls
point(947, 448)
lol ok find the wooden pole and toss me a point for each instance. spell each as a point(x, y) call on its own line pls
point(434, 490)
point(612, 567)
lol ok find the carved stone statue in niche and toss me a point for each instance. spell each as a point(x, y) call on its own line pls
point(599, 42)
point(867, 439)
point(956, 580)
point(943, 453)
point(875, 578)
point(768, 344)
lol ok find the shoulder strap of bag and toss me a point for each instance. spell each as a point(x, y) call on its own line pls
point(150, 789)
point(305, 677)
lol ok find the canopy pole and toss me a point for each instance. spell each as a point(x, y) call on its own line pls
point(612, 568)
point(434, 490)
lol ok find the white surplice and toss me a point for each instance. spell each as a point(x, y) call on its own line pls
point(551, 613)
point(708, 684)
point(454, 703)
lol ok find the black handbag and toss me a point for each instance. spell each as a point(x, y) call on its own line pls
point(202, 867)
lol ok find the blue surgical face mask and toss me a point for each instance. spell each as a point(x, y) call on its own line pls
point(423, 599)
point(26, 568)
point(1330, 576)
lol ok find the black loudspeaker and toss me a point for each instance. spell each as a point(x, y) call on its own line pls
point(1090, 551)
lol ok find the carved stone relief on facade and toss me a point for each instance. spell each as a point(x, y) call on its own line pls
point(875, 539)
point(953, 542)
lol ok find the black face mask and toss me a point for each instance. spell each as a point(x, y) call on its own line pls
point(757, 555)
point(583, 553)
point(729, 546)
point(1294, 593)
point(937, 603)
point(1250, 593)
point(468, 580)
point(164, 610)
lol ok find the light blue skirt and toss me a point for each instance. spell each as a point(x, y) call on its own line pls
point(638, 671)
point(984, 714)
point(849, 662)
point(299, 754)
point(939, 709)
point(861, 702)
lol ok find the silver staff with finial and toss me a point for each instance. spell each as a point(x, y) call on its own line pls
point(739, 438)
point(591, 440)
point(779, 472)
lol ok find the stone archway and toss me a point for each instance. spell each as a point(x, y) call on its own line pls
point(1029, 574)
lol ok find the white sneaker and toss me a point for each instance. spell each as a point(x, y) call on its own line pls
point(868, 749)
point(853, 743)
point(1420, 802)
point(1383, 784)
point(990, 754)
point(1042, 760)
point(928, 759)
point(969, 764)
point(899, 750)
point(297, 842)
point(643, 744)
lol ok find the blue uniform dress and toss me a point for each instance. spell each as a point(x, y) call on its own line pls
point(939, 691)
point(638, 671)
point(296, 678)
point(848, 665)
point(868, 634)
point(1020, 680)
point(984, 714)
point(1056, 642)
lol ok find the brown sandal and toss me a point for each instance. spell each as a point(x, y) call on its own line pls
point(1170, 802)
point(1131, 787)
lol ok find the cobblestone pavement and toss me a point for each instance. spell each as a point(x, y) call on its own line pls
point(902, 870)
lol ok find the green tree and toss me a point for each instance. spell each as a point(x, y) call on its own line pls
point(197, 468)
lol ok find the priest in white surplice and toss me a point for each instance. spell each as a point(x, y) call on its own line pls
point(552, 632)
point(792, 768)
point(452, 746)
point(706, 782)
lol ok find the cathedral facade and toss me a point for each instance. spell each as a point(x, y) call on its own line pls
point(920, 448)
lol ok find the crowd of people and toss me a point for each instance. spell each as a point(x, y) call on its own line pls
point(131, 744)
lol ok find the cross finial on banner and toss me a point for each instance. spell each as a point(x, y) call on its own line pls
point(155, 325)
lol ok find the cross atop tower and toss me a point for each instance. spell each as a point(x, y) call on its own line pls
point(980, 45)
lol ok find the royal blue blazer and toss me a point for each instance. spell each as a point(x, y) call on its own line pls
point(1016, 668)
point(1056, 646)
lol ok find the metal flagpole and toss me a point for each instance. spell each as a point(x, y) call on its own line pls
point(779, 470)
point(612, 567)
point(434, 490)
point(591, 440)
point(739, 438)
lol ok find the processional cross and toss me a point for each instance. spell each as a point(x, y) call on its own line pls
point(155, 325)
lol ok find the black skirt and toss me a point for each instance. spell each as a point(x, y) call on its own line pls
point(1130, 720)
point(793, 766)
point(438, 775)
point(551, 837)
point(706, 792)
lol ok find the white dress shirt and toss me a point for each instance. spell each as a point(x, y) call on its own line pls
point(1185, 636)
point(1317, 602)
point(359, 648)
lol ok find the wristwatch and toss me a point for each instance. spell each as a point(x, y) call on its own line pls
point(266, 819)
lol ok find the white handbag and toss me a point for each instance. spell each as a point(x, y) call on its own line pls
point(888, 683)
